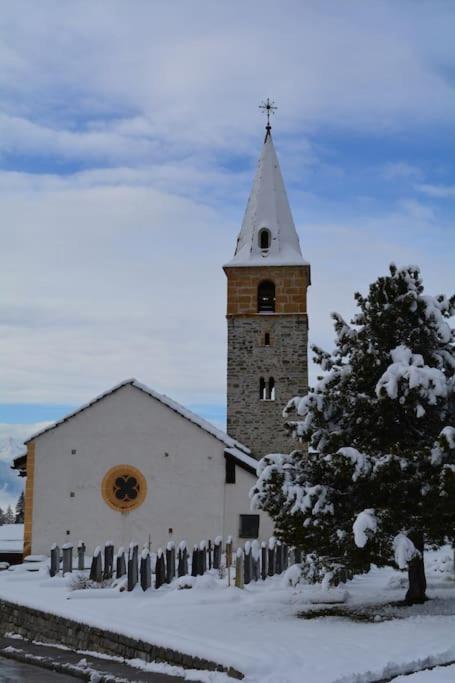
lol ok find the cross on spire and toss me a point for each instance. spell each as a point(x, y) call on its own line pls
point(268, 107)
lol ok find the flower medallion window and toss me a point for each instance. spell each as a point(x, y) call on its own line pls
point(124, 488)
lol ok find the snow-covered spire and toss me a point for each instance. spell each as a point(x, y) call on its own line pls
point(268, 235)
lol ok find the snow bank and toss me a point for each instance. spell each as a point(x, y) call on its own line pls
point(11, 538)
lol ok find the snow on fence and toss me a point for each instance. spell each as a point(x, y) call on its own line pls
point(253, 561)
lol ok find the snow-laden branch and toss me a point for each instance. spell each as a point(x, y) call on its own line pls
point(280, 469)
point(408, 371)
point(364, 527)
point(362, 463)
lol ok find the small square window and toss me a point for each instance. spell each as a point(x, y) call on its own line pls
point(68, 532)
point(73, 451)
point(72, 494)
point(249, 526)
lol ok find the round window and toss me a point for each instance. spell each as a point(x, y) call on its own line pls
point(124, 488)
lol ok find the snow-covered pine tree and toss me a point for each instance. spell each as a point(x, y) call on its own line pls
point(9, 515)
point(20, 509)
point(2, 516)
point(379, 477)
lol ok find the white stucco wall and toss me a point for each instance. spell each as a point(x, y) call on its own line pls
point(186, 488)
point(237, 503)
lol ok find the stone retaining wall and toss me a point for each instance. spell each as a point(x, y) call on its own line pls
point(34, 624)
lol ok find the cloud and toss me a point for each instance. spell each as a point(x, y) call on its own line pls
point(101, 280)
point(129, 139)
point(438, 191)
point(401, 170)
point(161, 80)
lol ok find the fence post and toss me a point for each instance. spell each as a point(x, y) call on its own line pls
point(271, 557)
point(195, 561)
point(160, 569)
point(173, 560)
point(96, 569)
point(55, 560)
point(263, 560)
point(256, 560)
point(202, 557)
point(108, 560)
point(146, 572)
point(163, 567)
point(170, 561)
point(81, 555)
point(285, 556)
point(217, 548)
point(67, 550)
point(239, 568)
point(133, 552)
point(209, 553)
point(229, 558)
point(247, 564)
point(120, 568)
point(182, 566)
point(279, 558)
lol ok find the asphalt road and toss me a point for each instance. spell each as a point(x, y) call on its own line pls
point(16, 672)
point(19, 667)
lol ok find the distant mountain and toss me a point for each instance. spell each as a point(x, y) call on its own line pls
point(11, 484)
point(12, 437)
point(10, 448)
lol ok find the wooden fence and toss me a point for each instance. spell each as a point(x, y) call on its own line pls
point(253, 561)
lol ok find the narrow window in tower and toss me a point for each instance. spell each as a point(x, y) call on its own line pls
point(264, 239)
point(271, 389)
point(266, 296)
point(262, 389)
point(267, 339)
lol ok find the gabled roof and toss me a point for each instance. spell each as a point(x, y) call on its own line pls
point(268, 207)
point(235, 448)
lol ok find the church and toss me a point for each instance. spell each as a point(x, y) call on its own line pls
point(134, 465)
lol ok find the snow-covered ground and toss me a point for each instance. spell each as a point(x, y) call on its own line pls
point(440, 674)
point(11, 538)
point(258, 630)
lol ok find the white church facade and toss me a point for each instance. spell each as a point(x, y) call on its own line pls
point(135, 466)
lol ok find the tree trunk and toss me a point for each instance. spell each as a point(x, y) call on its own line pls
point(416, 572)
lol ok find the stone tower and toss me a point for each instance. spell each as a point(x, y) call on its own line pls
point(266, 315)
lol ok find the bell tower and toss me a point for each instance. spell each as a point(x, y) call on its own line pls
point(267, 318)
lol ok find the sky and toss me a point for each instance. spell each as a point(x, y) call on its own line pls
point(129, 136)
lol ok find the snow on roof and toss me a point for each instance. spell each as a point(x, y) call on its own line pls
point(268, 207)
point(11, 538)
point(170, 403)
point(242, 457)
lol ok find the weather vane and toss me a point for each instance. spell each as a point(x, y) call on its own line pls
point(268, 107)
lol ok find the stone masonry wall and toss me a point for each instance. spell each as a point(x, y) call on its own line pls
point(34, 624)
point(259, 423)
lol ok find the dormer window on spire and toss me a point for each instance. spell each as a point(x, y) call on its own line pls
point(265, 239)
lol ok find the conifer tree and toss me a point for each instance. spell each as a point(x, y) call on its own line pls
point(379, 477)
point(9, 515)
point(2, 516)
point(20, 509)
